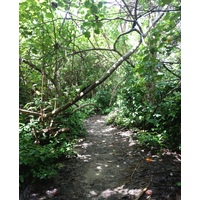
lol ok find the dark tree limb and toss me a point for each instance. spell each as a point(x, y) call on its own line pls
point(114, 46)
point(170, 71)
point(128, 8)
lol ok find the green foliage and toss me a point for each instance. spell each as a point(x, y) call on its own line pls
point(153, 107)
point(73, 121)
point(102, 98)
point(178, 184)
point(161, 119)
point(151, 103)
point(150, 94)
point(38, 161)
point(88, 110)
point(150, 139)
point(65, 48)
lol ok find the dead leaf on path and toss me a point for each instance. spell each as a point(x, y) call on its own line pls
point(149, 160)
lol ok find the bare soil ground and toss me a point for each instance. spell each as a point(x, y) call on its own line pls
point(110, 165)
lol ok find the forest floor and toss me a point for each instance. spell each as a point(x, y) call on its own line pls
point(110, 165)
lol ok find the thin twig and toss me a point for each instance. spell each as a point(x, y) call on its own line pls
point(144, 189)
point(170, 71)
point(128, 8)
point(29, 112)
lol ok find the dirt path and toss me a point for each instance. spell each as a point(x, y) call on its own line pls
point(110, 166)
point(104, 157)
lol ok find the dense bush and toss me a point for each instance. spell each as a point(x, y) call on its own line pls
point(150, 94)
point(151, 104)
point(102, 99)
point(39, 160)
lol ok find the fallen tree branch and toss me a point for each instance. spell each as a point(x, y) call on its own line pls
point(53, 129)
point(30, 112)
point(37, 141)
point(62, 130)
point(46, 130)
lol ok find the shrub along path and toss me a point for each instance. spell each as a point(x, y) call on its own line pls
point(111, 165)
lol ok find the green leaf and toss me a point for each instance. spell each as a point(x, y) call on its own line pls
point(85, 24)
point(146, 58)
point(61, 4)
point(97, 31)
point(164, 2)
point(87, 15)
point(140, 69)
point(99, 24)
point(94, 9)
point(178, 184)
point(166, 17)
point(153, 50)
point(87, 34)
point(49, 15)
point(100, 4)
point(87, 4)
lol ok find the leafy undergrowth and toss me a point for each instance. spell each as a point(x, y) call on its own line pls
point(159, 134)
point(42, 148)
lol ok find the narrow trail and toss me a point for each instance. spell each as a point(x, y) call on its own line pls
point(103, 163)
point(106, 152)
point(109, 165)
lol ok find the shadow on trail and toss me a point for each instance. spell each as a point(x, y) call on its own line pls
point(109, 165)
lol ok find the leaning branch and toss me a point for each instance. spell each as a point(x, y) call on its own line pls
point(30, 112)
point(95, 84)
point(102, 79)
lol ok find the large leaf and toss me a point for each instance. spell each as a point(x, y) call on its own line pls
point(87, 34)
